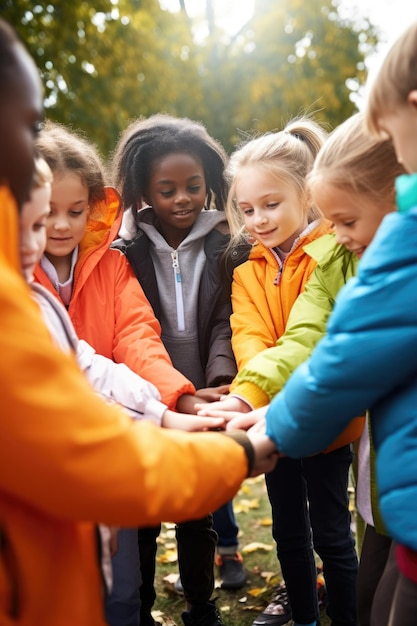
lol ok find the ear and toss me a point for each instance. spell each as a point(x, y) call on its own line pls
point(412, 98)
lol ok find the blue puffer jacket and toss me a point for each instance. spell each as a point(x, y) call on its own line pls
point(368, 360)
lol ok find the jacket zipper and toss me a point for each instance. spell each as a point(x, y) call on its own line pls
point(178, 291)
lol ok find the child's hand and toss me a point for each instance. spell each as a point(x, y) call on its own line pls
point(224, 408)
point(212, 394)
point(247, 421)
point(191, 423)
point(266, 454)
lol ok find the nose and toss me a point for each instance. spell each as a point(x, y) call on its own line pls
point(60, 223)
point(182, 197)
point(259, 218)
point(28, 244)
point(342, 237)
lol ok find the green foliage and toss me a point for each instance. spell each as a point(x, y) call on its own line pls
point(108, 62)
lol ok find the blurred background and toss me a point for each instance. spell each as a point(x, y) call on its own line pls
point(239, 66)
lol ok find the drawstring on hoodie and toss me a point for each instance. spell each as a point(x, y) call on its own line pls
point(178, 291)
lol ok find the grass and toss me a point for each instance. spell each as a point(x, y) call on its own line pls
point(237, 608)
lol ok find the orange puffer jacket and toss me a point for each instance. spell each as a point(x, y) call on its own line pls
point(263, 294)
point(109, 309)
point(261, 305)
point(68, 461)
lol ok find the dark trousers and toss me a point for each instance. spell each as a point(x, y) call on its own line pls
point(310, 506)
point(224, 523)
point(123, 604)
point(373, 559)
point(196, 547)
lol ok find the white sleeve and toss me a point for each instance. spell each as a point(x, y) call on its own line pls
point(118, 383)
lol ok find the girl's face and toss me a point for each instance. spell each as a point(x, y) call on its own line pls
point(177, 193)
point(401, 126)
point(355, 218)
point(32, 229)
point(67, 220)
point(271, 208)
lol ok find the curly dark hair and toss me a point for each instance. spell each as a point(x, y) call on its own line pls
point(146, 141)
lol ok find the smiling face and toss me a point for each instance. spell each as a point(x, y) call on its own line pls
point(177, 193)
point(67, 220)
point(355, 218)
point(272, 210)
point(20, 117)
point(32, 229)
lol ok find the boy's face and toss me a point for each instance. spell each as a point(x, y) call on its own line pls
point(401, 126)
point(355, 218)
point(32, 227)
point(20, 116)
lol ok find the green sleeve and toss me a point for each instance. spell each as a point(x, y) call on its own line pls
point(266, 374)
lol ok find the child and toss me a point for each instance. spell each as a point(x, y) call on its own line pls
point(57, 435)
point(367, 359)
point(85, 274)
point(176, 248)
point(114, 381)
point(364, 169)
point(269, 199)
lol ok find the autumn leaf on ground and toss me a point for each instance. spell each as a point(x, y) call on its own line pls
point(256, 545)
point(266, 521)
point(243, 506)
point(169, 556)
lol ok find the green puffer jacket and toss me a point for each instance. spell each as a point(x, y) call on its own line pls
point(266, 374)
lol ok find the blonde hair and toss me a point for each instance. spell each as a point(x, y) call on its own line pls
point(68, 151)
point(356, 162)
point(42, 173)
point(394, 81)
point(288, 154)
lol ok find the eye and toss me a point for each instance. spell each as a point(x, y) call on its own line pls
point(166, 193)
point(76, 213)
point(272, 205)
point(195, 188)
point(247, 212)
point(37, 127)
point(350, 223)
point(39, 226)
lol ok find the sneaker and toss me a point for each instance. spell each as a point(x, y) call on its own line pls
point(278, 612)
point(202, 615)
point(232, 571)
point(178, 586)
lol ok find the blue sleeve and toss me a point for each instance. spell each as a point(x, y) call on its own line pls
point(369, 351)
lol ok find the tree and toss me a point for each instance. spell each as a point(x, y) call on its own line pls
point(106, 64)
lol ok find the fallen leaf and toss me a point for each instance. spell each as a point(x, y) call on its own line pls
point(256, 545)
point(266, 521)
point(169, 556)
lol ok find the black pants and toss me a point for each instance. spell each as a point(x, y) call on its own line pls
point(310, 506)
point(374, 556)
point(196, 548)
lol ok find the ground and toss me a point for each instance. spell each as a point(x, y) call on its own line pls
point(237, 608)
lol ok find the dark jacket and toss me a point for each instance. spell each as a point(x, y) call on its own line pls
point(214, 304)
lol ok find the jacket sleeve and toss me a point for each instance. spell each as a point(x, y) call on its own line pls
point(137, 341)
point(68, 454)
point(368, 352)
point(266, 373)
point(118, 383)
point(252, 326)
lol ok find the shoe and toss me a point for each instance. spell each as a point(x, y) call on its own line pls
point(178, 586)
point(278, 612)
point(232, 571)
point(202, 615)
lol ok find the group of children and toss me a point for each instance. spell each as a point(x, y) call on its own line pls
point(171, 303)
